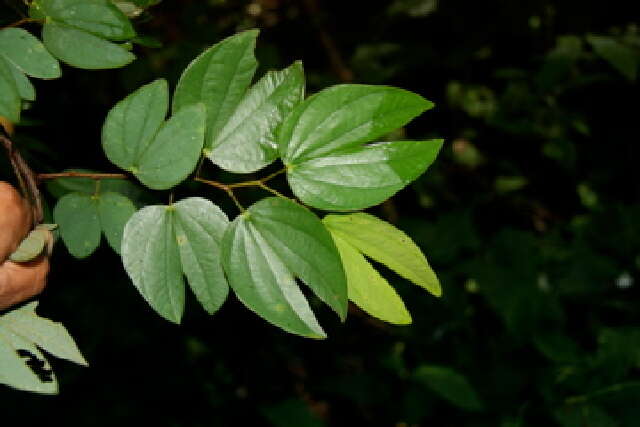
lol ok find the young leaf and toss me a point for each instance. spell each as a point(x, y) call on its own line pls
point(32, 246)
point(362, 177)
point(368, 289)
point(161, 243)
point(114, 211)
point(10, 103)
point(26, 90)
point(98, 17)
point(219, 78)
point(78, 218)
point(386, 244)
point(247, 143)
point(266, 247)
point(82, 49)
point(343, 117)
point(28, 54)
point(450, 385)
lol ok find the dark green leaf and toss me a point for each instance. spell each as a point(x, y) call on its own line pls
point(26, 90)
point(450, 385)
point(82, 49)
point(10, 99)
point(247, 143)
point(28, 54)
point(219, 78)
point(114, 210)
point(621, 57)
point(78, 217)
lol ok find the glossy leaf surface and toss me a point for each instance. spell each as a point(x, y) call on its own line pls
point(28, 54)
point(269, 245)
point(247, 142)
point(219, 78)
point(384, 243)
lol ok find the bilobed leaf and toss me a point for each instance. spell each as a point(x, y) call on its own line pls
point(269, 245)
point(50, 336)
point(247, 142)
point(151, 258)
point(78, 217)
point(26, 90)
point(219, 78)
point(199, 227)
point(368, 289)
point(133, 122)
point(98, 17)
point(386, 244)
point(161, 243)
point(175, 150)
point(361, 177)
point(114, 210)
point(621, 57)
point(82, 49)
point(343, 117)
point(450, 385)
point(10, 99)
point(28, 54)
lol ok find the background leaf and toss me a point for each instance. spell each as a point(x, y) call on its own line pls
point(28, 54)
point(78, 218)
point(450, 385)
point(10, 100)
point(621, 57)
point(15, 372)
point(114, 210)
point(26, 90)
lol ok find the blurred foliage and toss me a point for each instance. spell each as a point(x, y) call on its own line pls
point(530, 217)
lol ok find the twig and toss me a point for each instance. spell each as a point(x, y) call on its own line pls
point(21, 22)
point(97, 176)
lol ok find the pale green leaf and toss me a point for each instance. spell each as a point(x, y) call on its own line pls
point(361, 177)
point(10, 103)
point(133, 122)
point(386, 244)
point(343, 117)
point(31, 246)
point(368, 289)
point(219, 78)
point(199, 227)
point(28, 54)
point(450, 385)
point(78, 218)
point(114, 210)
point(82, 49)
point(247, 142)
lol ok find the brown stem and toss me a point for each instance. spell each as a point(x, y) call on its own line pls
point(22, 22)
point(97, 176)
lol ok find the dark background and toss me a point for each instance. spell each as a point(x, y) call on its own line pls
point(529, 216)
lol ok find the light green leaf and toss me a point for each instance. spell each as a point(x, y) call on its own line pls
point(114, 211)
point(219, 78)
point(175, 150)
point(26, 90)
point(269, 245)
point(151, 258)
point(343, 117)
point(368, 289)
point(31, 246)
point(98, 17)
point(50, 336)
point(161, 243)
point(361, 177)
point(10, 103)
point(247, 143)
point(78, 217)
point(386, 244)
point(450, 385)
point(199, 227)
point(28, 54)
point(133, 122)
point(621, 57)
point(82, 49)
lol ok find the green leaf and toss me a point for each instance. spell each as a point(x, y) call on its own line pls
point(50, 336)
point(31, 246)
point(114, 211)
point(98, 17)
point(621, 57)
point(161, 243)
point(368, 289)
point(26, 90)
point(450, 385)
point(361, 177)
point(386, 244)
point(28, 54)
point(175, 150)
point(78, 217)
point(199, 227)
point(10, 103)
point(269, 245)
point(82, 49)
point(219, 78)
point(133, 122)
point(247, 142)
point(343, 117)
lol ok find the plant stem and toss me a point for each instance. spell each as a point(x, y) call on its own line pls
point(21, 22)
point(45, 176)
